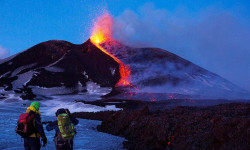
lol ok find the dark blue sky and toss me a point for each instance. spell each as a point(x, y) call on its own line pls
point(213, 34)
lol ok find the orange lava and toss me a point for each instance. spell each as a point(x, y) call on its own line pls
point(102, 32)
point(170, 139)
point(152, 99)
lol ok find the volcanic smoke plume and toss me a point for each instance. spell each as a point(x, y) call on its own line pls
point(101, 33)
point(215, 38)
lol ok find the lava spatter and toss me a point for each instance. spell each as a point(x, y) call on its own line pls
point(102, 32)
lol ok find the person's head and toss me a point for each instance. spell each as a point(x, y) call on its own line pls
point(60, 111)
point(36, 105)
point(67, 111)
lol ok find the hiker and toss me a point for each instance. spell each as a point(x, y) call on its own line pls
point(30, 128)
point(64, 127)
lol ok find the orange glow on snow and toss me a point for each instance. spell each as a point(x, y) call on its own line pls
point(101, 32)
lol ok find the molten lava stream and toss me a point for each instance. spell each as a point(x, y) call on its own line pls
point(102, 32)
point(123, 69)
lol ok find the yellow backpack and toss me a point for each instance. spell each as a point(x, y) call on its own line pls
point(66, 127)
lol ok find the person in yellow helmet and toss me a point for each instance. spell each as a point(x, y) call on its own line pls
point(32, 142)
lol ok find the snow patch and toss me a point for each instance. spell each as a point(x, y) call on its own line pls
point(80, 87)
point(3, 75)
point(53, 106)
point(51, 91)
point(112, 70)
point(85, 74)
point(225, 87)
point(54, 69)
point(56, 61)
point(23, 79)
point(94, 88)
point(11, 97)
point(15, 72)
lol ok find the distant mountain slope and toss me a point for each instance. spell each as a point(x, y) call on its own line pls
point(155, 70)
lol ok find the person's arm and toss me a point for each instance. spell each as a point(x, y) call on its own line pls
point(51, 126)
point(39, 126)
point(74, 120)
point(40, 130)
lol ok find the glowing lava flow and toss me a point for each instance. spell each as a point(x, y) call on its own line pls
point(102, 32)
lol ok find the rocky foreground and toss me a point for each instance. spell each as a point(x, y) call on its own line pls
point(224, 126)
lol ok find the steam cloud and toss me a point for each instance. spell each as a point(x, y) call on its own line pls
point(3, 52)
point(216, 40)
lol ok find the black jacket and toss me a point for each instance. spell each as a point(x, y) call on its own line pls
point(38, 126)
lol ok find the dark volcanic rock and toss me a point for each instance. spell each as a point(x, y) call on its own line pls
point(59, 63)
point(119, 103)
point(224, 126)
point(94, 116)
point(27, 94)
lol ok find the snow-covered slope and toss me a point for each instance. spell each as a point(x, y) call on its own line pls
point(58, 67)
point(155, 70)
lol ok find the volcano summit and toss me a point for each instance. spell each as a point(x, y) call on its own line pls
point(71, 68)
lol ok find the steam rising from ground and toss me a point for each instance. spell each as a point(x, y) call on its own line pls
point(215, 39)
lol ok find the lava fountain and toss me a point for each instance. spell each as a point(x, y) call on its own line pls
point(102, 32)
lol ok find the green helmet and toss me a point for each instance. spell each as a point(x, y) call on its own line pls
point(35, 104)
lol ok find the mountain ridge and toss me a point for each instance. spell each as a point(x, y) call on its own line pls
point(58, 63)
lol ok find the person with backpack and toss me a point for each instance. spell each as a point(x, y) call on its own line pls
point(65, 130)
point(30, 128)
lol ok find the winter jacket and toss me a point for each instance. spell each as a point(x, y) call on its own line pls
point(37, 123)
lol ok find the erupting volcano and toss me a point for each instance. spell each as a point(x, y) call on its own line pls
point(103, 64)
point(101, 33)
